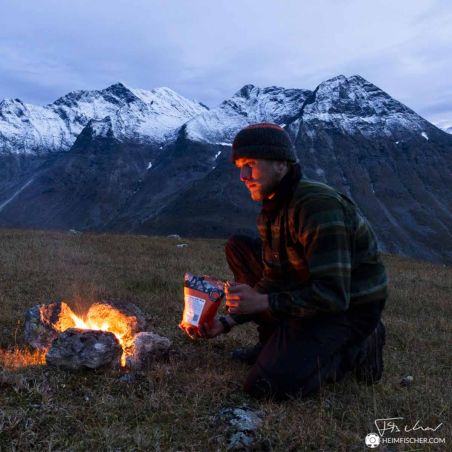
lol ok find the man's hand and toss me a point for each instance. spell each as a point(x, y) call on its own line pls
point(215, 329)
point(243, 299)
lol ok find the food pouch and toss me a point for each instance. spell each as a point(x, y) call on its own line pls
point(202, 298)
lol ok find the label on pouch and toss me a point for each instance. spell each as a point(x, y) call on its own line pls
point(193, 309)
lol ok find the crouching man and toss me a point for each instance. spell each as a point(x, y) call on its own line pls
point(314, 282)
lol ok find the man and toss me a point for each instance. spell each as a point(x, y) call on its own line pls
point(314, 282)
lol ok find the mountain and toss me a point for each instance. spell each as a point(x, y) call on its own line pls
point(354, 136)
point(30, 129)
point(159, 164)
point(392, 162)
point(202, 144)
point(100, 128)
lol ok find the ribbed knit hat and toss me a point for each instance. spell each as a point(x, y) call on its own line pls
point(263, 141)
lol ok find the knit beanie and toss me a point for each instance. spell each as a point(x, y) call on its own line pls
point(263, 141)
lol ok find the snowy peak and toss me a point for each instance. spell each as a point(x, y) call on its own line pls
point(119, 93)
point(134, 114)
point(165, 101)
point(248, 105)
point(356, 95)
point(356, 106)
point(152, 119)
point(116, 94)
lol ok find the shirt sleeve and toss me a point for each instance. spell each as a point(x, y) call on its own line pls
point(321, 229)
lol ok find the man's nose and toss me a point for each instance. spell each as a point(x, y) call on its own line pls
point(245, 173)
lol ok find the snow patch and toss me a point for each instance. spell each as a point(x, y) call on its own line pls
point(424, 135)
point(149, 166)
point(4, 204)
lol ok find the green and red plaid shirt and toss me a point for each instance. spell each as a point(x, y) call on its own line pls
point(319, 252)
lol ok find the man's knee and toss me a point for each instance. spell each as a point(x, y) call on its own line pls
point(244, 259)
point(237, 243)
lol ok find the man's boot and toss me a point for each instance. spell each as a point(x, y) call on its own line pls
point(370, 367)
point(247, 355)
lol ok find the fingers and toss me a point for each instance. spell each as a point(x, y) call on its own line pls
point(233, 288)
point(232, 303)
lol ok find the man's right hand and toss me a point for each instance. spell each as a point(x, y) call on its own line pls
point(215, 329)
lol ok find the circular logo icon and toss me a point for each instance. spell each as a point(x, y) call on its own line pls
point(372, 440)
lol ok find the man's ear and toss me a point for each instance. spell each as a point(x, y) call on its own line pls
point(281, 167)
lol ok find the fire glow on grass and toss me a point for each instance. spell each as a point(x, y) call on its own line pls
point(18, 358)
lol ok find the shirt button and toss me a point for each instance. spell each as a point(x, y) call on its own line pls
point(275, 256)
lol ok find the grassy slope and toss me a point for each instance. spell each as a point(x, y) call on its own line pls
point(169, 407)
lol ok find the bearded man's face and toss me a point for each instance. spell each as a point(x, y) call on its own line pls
point(261, 177)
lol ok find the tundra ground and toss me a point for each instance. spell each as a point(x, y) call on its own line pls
point(171, 405)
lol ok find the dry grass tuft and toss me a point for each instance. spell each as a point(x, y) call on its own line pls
point(170, 406)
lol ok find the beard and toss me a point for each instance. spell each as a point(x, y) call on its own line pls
point(263, 190)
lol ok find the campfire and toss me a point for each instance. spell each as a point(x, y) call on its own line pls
point(106, 333)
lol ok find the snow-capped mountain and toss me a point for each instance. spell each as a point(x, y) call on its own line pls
point(135, 114)
point(153, 162)
point(391, 161)
point(249, 105)
point(355, 106)
point(348, 133)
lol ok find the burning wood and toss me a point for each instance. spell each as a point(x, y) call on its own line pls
point(75, 341)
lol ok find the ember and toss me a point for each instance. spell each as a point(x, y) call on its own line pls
point(45, 323)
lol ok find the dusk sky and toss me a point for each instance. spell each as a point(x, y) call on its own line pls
point(208, 49)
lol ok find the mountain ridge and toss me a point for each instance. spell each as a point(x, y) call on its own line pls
point(135, 170)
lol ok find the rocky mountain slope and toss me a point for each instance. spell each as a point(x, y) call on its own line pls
point(33, 138)
point(158, 164)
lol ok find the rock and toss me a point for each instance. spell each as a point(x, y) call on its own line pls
point(44, 323)
point(174, 236)
point(79, 349)
point(240, 440)
point(407, 381)
point(240, 426)
point(182, 245)
point(147, 348)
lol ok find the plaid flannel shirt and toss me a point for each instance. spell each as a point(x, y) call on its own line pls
point(319, 253)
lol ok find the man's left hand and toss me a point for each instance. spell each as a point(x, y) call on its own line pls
point(243, 299)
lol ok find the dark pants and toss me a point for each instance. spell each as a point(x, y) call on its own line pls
point(299, 354)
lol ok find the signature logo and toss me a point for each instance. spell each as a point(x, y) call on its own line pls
point(394, 425)
point(372, 440)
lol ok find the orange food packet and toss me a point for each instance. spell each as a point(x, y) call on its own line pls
point(202, 298)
